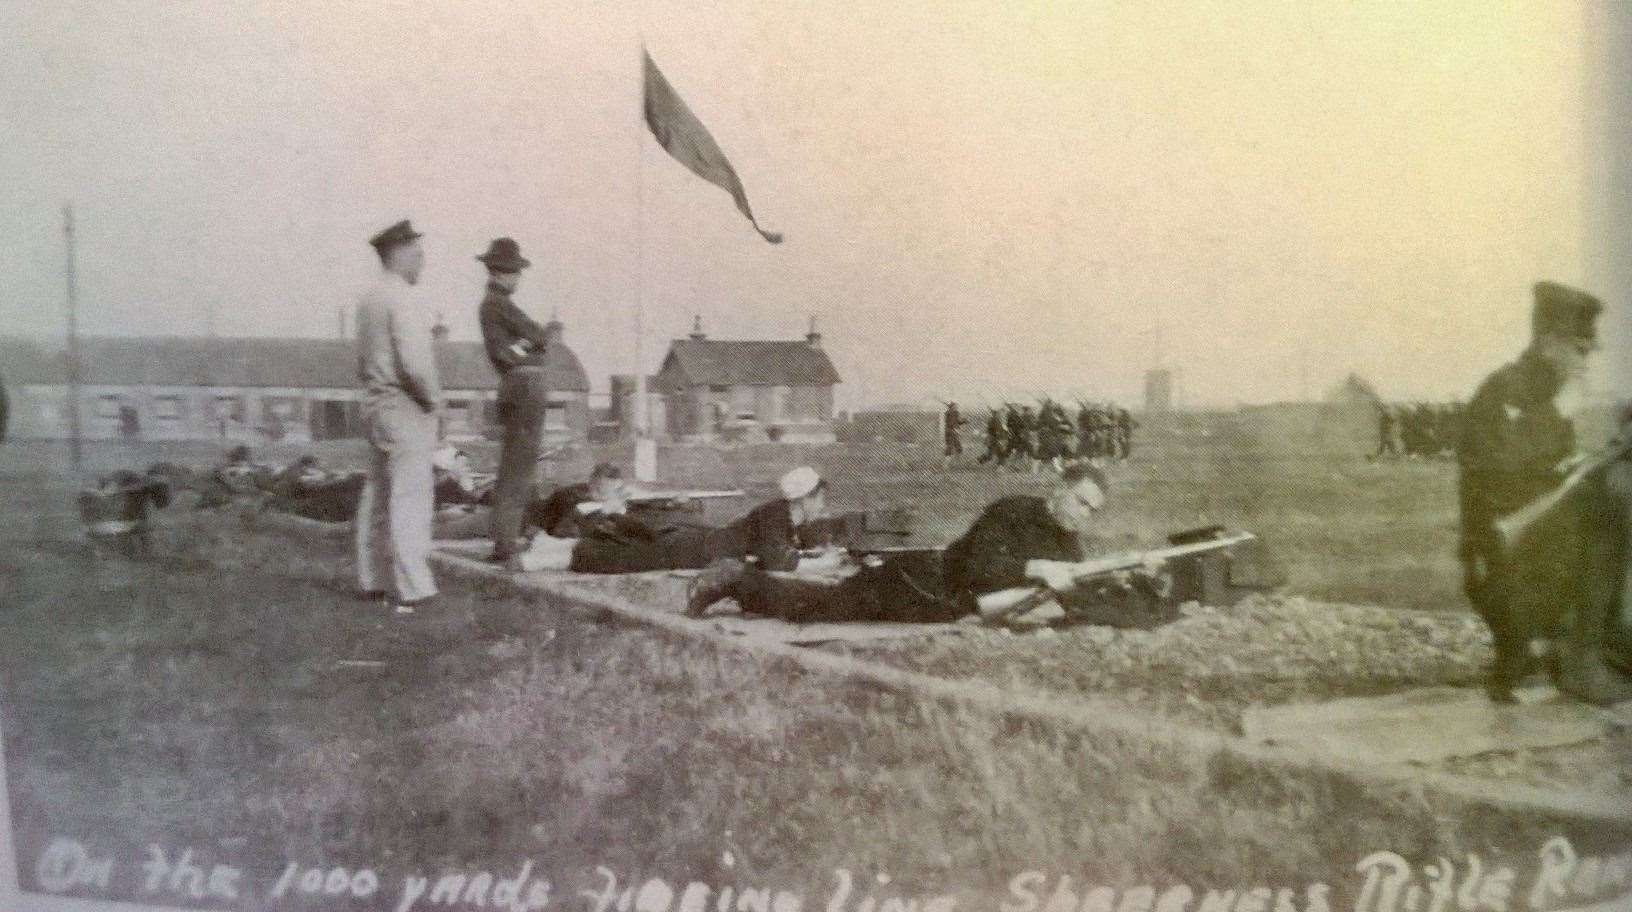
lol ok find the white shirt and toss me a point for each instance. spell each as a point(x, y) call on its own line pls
point(394, 350)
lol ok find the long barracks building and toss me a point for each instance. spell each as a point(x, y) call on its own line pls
point(246, 389)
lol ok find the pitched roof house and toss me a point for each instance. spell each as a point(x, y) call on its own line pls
point(716, 388)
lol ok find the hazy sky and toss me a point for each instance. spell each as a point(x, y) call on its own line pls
point(994, 195)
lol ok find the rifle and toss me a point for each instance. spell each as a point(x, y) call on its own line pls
point(660, 499)
point(1511, 529)
point(1020, 599)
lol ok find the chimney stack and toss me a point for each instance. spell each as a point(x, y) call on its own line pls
point(813, 338)
point(697, 334)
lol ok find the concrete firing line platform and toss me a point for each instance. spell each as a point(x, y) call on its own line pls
point(1431, 724)
point(1272, 741)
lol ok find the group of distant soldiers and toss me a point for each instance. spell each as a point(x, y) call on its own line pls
point(1421, 429)
point(1025, 437)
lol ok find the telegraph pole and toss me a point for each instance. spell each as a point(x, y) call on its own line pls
point(73, 339)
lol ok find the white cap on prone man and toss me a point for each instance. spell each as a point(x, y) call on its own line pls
point(768, 538)
point(804, 489)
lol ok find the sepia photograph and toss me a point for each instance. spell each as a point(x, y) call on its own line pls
point(816, 456)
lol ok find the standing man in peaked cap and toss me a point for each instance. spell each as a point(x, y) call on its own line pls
point(397, 365)
point(519, 349)
point(1517, 444)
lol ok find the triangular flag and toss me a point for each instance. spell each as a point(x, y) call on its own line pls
point(685, 138)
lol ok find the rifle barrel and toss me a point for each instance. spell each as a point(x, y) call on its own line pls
point(1511, 529)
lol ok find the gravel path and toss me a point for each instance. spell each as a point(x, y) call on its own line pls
point(1210, 665)
point(1207, 668)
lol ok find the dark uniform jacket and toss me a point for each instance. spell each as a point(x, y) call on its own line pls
point(504, 325)
point(768, 535)
point(1513, 439)
point(557, 514)
point(625, 543)
point(992, 555)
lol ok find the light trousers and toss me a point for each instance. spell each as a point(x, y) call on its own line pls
point(393, 524)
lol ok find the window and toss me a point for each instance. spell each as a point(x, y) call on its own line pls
point(742, 401)
point(167, 408)
point(108, 406)
point(280, 408)
point(555, 417)
point(229, 407)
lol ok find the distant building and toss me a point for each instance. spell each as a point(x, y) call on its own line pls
point(1354, 390)
point(248, 390)
point(747, 389)
point(1158, 391)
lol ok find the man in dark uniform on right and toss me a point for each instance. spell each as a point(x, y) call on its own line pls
point(1517, 444)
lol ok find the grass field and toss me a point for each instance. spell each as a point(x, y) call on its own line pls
point(1340, 527)
point(198, 700)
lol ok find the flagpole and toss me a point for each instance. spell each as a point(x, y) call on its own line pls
point(645, 446)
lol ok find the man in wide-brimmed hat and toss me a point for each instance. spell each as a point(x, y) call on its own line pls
point(520, 350)
point(404, 393)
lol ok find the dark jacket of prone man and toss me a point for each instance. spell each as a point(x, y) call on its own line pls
point(992, 555)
